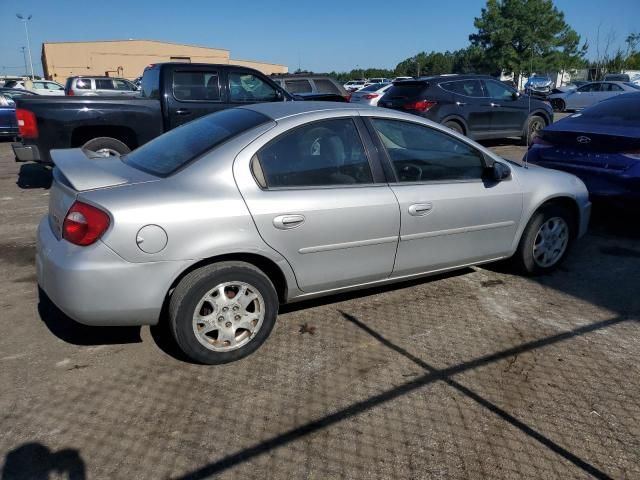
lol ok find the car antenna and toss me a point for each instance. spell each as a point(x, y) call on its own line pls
point(526, 134)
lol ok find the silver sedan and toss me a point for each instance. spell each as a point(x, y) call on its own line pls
point(589, 94)
point(218, 222)
point(371, 94)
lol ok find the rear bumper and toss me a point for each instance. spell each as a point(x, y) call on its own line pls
point(95, 286)
point(25, 153)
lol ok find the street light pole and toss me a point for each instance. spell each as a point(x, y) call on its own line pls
point(24, 56)
point(26, 31)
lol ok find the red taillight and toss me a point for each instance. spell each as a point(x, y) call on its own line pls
point(71, 92)
point(84, 224)
point(27, 125)
point(347, 97)
point(370, 96)
point(420, 106)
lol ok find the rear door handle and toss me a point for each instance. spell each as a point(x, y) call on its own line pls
point(460, 104)
point(494, 104)
point(287, 222)
point(183, 111)
point(420, 209)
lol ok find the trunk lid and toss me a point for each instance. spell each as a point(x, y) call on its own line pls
point(76, 171)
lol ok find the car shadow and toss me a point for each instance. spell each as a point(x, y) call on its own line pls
point(34, 175)
point(76, 333)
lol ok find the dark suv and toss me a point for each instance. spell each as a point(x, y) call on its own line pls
point(478, 106)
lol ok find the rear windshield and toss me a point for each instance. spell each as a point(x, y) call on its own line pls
point(372, 88)
point(623, 110)
point(171, 151)
point(407, 89)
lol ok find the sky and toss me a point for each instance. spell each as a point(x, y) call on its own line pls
point(322, 37)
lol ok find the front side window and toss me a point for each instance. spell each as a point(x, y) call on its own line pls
point(53, 86)
point(498, 90)
point(612, 87)
point(123, 85)
point(468, 88)
point(297, 86)
point(423, 154)
point(246, 87)
point(591, 87)
point(196, 86)
point(324, 153)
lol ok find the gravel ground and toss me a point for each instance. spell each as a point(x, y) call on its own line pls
point(477, 374)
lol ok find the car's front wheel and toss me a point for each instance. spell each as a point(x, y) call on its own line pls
point(558, 105)
point(222, 312)
point(545, 240)
point(535, 123)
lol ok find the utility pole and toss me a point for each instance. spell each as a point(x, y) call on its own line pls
point(24, 55)
point(26, 31)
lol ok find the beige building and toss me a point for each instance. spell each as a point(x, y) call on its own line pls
point(128, 58)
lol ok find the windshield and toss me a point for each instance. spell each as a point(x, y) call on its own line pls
point(176, 148)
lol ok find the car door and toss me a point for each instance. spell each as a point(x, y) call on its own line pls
point(193, 91)
point(509, 111)
point(582, 97)
point(470, 103)
point(54, 89)
point(124, 87)
point(318, 199)
point(449, 214)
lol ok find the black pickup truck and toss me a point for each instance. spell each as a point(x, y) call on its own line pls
point(171, 94)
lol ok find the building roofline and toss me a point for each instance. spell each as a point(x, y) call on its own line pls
point(137, 40)
point(258, 61)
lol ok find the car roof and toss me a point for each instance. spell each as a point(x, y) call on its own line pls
point(280, 110)
point(450, 78)
point(17, 90)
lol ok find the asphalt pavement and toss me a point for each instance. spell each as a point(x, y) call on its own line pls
point(477, 374)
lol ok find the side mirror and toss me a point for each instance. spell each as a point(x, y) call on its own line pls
point(498, 172)
point(515, 95)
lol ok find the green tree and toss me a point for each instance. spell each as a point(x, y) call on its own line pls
point(525, 35)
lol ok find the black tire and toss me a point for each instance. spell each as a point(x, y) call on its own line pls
point(107, 146)
point(195, 285)
point(534, 123)
point(455, 126)
point(524, 257)
point(558, 105)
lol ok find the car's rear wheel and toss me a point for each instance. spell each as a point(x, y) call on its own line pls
point(545, 241)
point(106, 147)
point(534, 125)
point(455, 126)
point(222, 312)
point(558, 105)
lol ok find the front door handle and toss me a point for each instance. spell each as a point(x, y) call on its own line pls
point(494, 104)
point(183, 111)
point(420, 209)
point(287, 222)
point(460, 104)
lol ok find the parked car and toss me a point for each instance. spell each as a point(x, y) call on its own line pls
point(601, 145)
point(8, 122)
point(633, 77)
point(478, 106)
point(589, 94)
point(172, 94)
point(41, 87)
point(99, 86)
point(354, 85)
point(307, 200)
point(397, 79)
point(371, 81)
point(371, 94)
point(539, 86)
point(314, 84)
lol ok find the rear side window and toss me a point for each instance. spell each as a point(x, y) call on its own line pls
point(104, 84)
point(297, 86)
point(325, 86)
point(324, 153)
point(468, 88)
point(151, 83)
point(176, 148)
point(83, 84)
point(422, 154)
point(193, 85)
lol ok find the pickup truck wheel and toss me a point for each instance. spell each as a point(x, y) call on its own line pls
point(106, 147)
point(222, 312)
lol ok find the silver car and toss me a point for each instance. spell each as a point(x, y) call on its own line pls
point(100, 86)
point(370, 95)
point(221, 220)
point(589, 94)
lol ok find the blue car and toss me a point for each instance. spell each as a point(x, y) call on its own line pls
point(8, 124)
point(601, 145)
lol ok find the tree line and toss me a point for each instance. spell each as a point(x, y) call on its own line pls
point(521, 36)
